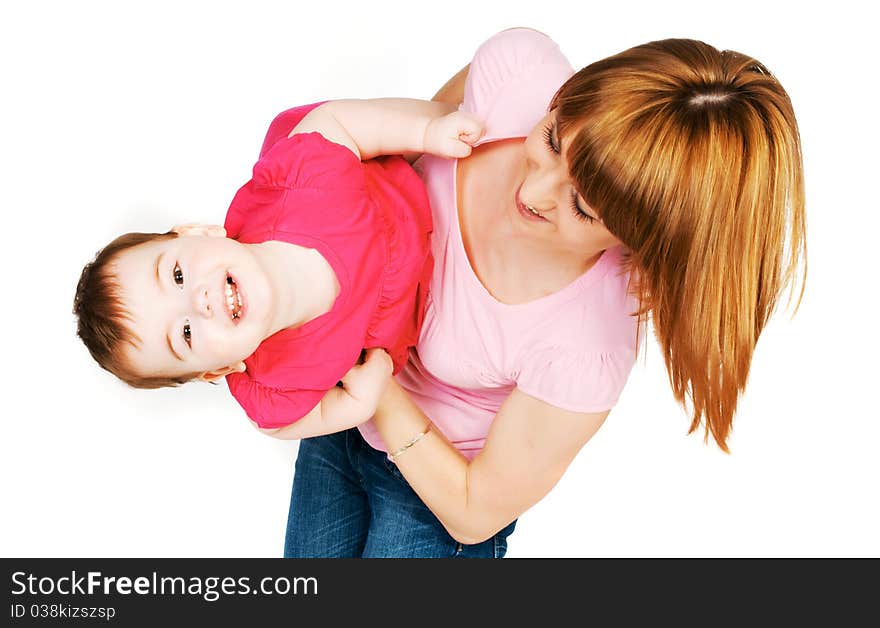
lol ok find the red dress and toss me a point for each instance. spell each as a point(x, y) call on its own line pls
point(372, 222)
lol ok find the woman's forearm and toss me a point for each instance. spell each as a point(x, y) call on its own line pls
point(435, 469)
point(453, 91)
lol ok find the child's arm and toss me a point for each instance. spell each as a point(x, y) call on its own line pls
point(342, 408)
point(394, 126)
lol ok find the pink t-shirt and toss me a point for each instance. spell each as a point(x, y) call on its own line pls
point(573, 349)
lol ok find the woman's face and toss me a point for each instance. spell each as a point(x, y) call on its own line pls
point(557, 212)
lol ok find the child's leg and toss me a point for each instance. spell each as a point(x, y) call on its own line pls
point(329, 514)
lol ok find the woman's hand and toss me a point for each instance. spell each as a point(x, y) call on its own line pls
point(365, 383)
point(346, 407)
point(453, 135)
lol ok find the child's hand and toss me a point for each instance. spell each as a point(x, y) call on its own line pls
point(453, 135)
point(366, 382)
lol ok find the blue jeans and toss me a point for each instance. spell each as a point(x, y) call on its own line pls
point(350, 501)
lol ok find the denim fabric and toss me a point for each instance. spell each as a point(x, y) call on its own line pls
point(350, 501)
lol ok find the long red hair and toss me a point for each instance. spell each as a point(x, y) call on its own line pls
point(692, 158)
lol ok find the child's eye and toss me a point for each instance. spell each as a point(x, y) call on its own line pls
point(187, 334)
point(178, 274)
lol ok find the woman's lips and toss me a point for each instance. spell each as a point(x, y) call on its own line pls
point(525, 213)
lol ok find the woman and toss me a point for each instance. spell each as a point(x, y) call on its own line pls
point(663, 181)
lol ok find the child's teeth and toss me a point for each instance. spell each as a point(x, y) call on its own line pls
point(233, 299)
point(230, 300)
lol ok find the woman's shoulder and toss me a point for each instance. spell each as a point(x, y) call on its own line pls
point(515, 52)
point(594, 315)
point(520, 43)
point(512, 78)
point(577, 380)
point(583, 357)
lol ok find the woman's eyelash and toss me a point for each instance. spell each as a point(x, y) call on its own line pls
point(578, 212)
point(548, 138)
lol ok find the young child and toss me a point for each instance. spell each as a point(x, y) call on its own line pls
point(323, 254)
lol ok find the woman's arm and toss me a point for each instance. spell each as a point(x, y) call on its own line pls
point(393, 126)
point(528, 448)
point(452, 92)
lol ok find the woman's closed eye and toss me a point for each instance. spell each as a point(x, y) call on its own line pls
point(578, 212)
point(551, 139)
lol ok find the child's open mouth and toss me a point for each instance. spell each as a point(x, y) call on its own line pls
point(233, 299)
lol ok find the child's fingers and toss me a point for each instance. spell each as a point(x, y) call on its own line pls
point(470, 126)
point(469, 138)
point(458, 148)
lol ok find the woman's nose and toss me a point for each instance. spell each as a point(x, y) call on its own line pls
point(539, 190)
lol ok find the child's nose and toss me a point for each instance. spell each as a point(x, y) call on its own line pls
point(203, 303)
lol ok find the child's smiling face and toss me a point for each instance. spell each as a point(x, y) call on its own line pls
point(200, 303)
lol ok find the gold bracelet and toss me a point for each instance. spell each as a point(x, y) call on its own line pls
point(412, 441)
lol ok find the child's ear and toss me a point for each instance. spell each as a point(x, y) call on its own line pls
point(195, 229)
point(213, 376)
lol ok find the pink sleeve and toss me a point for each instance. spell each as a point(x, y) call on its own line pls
point(577, 381)
point(512, 78)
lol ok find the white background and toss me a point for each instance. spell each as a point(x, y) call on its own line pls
point(134, 116)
